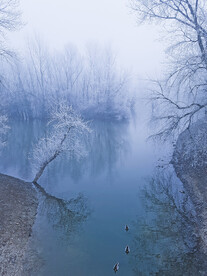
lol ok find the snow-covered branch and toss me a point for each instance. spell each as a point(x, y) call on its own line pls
point(92, 83)
point(67, 128)
point(180, 98)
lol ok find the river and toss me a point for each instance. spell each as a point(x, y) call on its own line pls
point(80, 230)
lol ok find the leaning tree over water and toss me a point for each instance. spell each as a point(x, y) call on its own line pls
point(67, 127)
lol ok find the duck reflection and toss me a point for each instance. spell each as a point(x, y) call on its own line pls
point(165, 240)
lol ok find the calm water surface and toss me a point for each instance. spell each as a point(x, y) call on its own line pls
point(79, 229)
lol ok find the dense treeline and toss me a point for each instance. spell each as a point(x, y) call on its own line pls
point(92, 83)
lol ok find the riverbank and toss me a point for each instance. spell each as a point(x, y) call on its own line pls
point(190, 163)
point(18, 205)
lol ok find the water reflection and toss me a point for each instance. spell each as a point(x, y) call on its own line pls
point(58, 223)
point(165, 241)
point(65, 216)
point(15, 157)
point(106, 146)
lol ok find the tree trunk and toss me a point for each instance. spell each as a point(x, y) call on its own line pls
point(57, 152)
point(44, 165)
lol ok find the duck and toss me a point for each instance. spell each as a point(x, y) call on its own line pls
point(127, 249)
point(127, 228)
point(116, 267)
point(182, 192)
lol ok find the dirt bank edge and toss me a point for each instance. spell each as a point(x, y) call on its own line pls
point(18, 209)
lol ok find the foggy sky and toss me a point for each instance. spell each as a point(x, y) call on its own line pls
point(81, 22)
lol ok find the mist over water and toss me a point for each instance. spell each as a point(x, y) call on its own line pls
point(82, 87)
point(116, 184)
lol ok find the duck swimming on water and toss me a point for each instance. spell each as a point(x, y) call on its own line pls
point(127, 228)
point(116, 267)
point(127, 249)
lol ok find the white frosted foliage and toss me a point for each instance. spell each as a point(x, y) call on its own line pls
point(66, 130)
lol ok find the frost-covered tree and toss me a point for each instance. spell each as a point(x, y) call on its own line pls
point(9, 21)
point(92, 83)
point(107, 93)
point(3, 130)
point(180, 98)
point(67, 128)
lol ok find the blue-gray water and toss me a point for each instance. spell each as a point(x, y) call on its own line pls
point(116, 184)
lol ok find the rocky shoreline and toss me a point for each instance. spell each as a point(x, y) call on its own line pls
point(18, 205)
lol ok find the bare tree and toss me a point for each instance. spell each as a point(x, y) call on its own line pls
point(108, 93)
point(67, 129)
point(182, 93)
point(9, 21)
point(92, 83)
point(3, 130)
